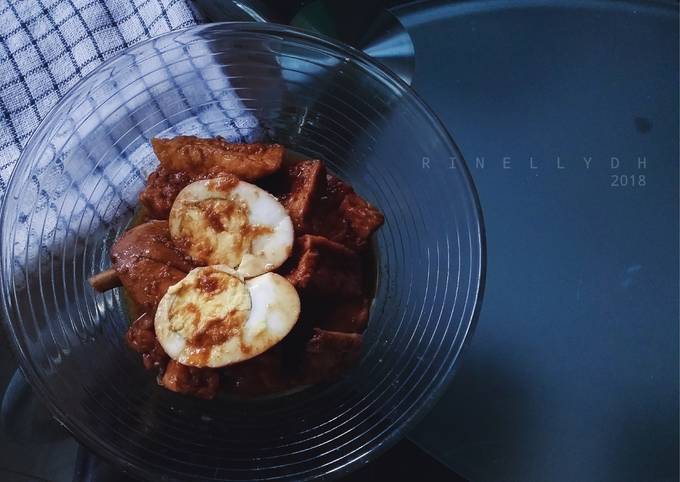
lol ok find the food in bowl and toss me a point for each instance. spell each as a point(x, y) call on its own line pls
point(245, 271)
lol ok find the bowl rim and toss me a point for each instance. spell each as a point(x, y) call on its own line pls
point(367, 63)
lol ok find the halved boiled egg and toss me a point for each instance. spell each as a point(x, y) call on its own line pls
point(213, 317)
point(231, 222)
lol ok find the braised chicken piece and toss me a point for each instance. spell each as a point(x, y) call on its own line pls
point(199, 382)
point(148, 263)
point(326, 268)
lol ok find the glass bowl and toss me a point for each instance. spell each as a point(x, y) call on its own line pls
point(74, 191)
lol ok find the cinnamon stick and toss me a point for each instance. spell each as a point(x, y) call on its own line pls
point(106, 280)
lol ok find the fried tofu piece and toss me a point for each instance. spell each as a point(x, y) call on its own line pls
point(329, 354)
point(325, 218)
point(199, 382)
point(260, 375)
point(326, 268)
point(348, 316)
point(362, 217)
point(246, 161)
point(336, 190)
point(148, 263)
point(343, 216)
point(306, 182)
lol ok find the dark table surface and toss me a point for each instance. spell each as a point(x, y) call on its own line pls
point(572, 373)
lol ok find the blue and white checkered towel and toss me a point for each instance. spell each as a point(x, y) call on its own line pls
point(46, 46)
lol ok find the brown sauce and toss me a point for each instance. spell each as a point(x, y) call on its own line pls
point(211, 284)
point(221, 215)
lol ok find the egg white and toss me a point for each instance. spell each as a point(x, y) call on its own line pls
point(259, 312)
point(239, 225)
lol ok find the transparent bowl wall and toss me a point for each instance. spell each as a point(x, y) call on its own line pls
point(76, 186)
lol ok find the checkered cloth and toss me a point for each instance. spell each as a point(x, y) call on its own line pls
point(46, 46)
point(84, 180)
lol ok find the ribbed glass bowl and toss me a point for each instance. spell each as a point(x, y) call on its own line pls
point(74, 191)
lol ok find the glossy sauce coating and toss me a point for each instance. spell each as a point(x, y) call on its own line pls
point(148, 263)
